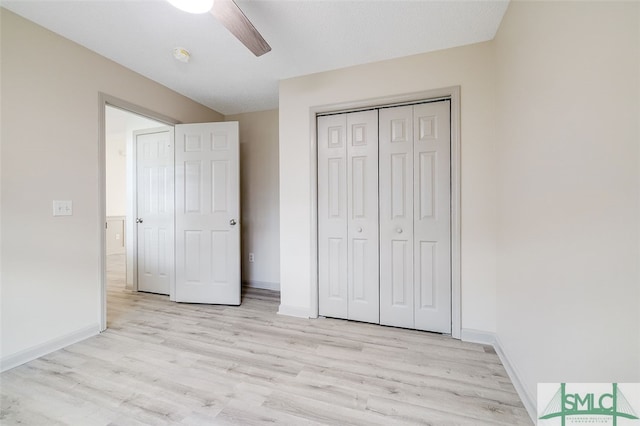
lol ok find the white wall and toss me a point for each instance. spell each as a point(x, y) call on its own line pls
point(259, 198)
point(50, 278)
point(471, 67)
point(568, 114)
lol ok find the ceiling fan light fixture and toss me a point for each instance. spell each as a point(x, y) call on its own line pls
point(193, 6)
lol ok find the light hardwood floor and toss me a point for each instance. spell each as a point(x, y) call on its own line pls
point(166, 363)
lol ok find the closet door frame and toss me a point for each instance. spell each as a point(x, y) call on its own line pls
point(452, 93)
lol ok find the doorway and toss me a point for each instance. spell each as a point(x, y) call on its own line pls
point(202, 162)
point(118, 121)
point(120, 126)
point(384, 200)
point(452, 94)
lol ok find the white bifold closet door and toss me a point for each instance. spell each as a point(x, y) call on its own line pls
point(348, 216)
point(415, 217)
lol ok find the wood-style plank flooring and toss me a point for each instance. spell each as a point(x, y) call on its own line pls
point(161, 362)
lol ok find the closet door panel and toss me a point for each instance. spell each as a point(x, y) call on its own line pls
point(432, 216)
point(396, 216)
point(362, 208)
point(332, 216)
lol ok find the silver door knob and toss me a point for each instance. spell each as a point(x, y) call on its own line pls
point(232, 222)
point(138, 220)
point(399, 230)
point(359, 229)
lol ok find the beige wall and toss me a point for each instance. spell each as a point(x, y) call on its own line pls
point(51, 265)
point(116, 174)
point(259, 197)
point(550, 184)
point(568, 187)
point(471, 67)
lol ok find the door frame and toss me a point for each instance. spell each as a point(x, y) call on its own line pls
point(451, 93)
point(105, 100)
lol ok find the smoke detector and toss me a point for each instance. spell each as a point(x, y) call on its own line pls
point(181, 54)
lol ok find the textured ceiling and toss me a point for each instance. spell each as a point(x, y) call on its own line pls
point(307, 36)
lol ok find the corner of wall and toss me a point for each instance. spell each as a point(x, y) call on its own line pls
point(29, 354)
point(528, 400)
point(492, 339)
point(294, 311)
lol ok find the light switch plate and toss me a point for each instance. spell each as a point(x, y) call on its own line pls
point(62, 207)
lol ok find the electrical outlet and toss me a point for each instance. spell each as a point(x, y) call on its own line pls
point(117, 236)
point(251, 258)
point(62, 207)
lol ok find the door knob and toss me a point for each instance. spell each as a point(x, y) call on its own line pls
point(399, 230)
point(232, 222)
point(359, 229)
point(138, 220)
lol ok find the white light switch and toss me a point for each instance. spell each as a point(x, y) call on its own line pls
point(62, 207)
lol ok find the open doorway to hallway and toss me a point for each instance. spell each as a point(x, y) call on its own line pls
point(120, 213)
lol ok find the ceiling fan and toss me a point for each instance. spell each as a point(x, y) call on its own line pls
point(233, 19)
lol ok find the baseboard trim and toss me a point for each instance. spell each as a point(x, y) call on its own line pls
point(262, 285)
point(528, 400)
point(489, 338)
point(29, 354)
point(478, 336)
point(293, 311)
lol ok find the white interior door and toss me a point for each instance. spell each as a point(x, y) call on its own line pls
point(207, 213)
point(332, 216)
point(396, 217)
point(384, 213)
point(432, 216)
point(362, 208)
point(348, 216)
point(154, 209)
point(415, 217)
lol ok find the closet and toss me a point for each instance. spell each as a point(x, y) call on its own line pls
point(384, 216)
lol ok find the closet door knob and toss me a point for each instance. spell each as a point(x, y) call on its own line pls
point(399, 230)
point(359, 229)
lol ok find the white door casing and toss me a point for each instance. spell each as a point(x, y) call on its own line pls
point(207, 213)
point(155, 209)
point(396, 216)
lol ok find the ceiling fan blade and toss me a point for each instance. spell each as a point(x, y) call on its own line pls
point(230, 15)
